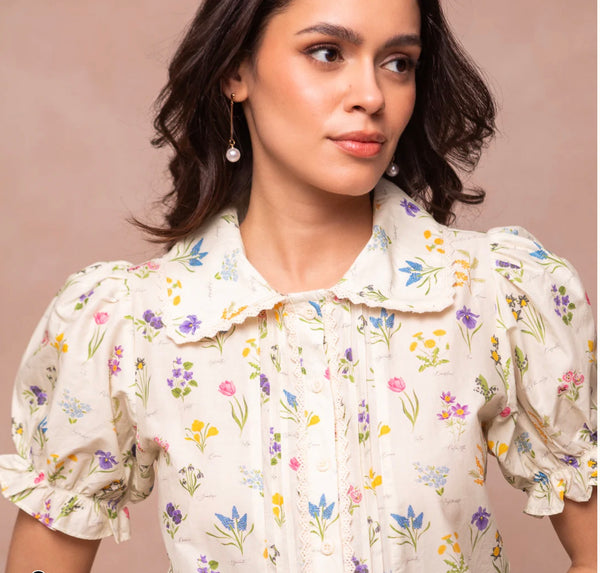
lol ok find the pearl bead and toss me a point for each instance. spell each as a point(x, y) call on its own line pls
point(392, 170)
point(233, 154)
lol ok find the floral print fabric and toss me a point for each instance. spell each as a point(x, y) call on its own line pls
point(346, 429)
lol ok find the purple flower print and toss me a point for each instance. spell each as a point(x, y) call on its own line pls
point(460, 411)
point(41, 396)
point(410, 208)
point(348, 354)
point(153, 320)
point(182, 378)
point(265, 387)
point(114, 366)
point(468, 318)
point(174, 514)
point(358, 566)
point(190, 324)
point(570, 461)
point(481, 518)
point(105, 459)
point(447, 397)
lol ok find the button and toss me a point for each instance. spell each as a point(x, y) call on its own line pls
point(326, 547)
point(317, 386)
point(323, 465)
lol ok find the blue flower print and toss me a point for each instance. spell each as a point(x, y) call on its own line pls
point(414, 271)
point(419, 272)
point(541, 478)
point(540, 253)
point(229, 270)
point(316, 306)
point(410, 208)
point(379, 240)
point(73, 407)
point(235, 529)
point(383, 327)
point(291, 399)
point(411, 527)
point(196, 256)
point(321, 516)
point(190, 324)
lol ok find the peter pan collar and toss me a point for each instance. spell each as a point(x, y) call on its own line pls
point(208, 285)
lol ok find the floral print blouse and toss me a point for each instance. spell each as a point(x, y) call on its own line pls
point(344, 430)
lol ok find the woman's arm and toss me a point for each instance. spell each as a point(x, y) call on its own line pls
point(576, 529)
point(34, 546)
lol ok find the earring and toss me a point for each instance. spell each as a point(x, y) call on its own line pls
point(392, 169)
point(233, 153)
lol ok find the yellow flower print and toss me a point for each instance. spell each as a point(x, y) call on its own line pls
point(497, 448)
point(311, 419)
point(478, 474)
point(231, 312)
point(280, 314)
point(383, 430)
point(591, 351)
point(199, 432)
point(430, 352)
point(562, 487)
point(454, 557)
point(436, 244)
point(60, 343)
point(372, 480)
point(278, 510)
point(171, 287)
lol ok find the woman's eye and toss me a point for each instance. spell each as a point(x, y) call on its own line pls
point(400, 65)
point(327, 54)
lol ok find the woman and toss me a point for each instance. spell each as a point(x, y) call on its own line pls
point(240, 359)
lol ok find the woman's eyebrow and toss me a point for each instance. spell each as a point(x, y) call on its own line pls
point(349, 35)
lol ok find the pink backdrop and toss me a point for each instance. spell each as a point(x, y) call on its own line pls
point(78, 80)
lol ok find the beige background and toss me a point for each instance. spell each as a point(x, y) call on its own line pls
point(78, 79)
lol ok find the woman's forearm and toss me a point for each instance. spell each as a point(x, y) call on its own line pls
point(576, 529)
point(34, 546)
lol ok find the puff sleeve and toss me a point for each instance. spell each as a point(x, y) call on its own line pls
point(73, 417)
point(545, 439)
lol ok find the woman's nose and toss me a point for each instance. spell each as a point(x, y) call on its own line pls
point(363, 92)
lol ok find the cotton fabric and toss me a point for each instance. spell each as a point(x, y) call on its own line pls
point(344, 429)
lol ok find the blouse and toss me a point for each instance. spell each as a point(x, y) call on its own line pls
point(344, 429)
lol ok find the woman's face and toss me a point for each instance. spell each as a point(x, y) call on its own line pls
point(329, 92)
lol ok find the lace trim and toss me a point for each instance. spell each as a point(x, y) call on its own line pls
point(305, 546)
point(342, 452)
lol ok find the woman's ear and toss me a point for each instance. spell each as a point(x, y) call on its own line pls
point(237, 82)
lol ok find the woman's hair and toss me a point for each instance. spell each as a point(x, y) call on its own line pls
point(453, 118)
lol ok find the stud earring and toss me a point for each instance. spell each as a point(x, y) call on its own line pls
point(392, 169)
point(233, 154)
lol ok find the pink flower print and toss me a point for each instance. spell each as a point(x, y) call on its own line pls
point(587, 299)
point(447, 397)
point(328, 374)
point(162, 443)
point(562, 388)
point(568, 376)
point(396, 384)
point(460, 411)
point(294, 464)
point(152, 265)
point(46, 338)
point(355, 494)
point(39, 478)
point(126, 512)
point(506, 412)
point(101, 318)
point(578, 379)
point(227, 388)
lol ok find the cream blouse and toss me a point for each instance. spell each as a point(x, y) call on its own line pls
point(340, 430)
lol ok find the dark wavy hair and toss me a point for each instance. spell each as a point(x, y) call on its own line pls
point(453, 118)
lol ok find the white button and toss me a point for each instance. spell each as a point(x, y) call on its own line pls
point(327, 548)
point(317, 386)
point(323, 465)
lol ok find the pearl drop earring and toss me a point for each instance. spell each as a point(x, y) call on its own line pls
point(233, 154)
point(392, 169)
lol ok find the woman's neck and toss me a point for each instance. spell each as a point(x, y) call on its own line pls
point(305, 241)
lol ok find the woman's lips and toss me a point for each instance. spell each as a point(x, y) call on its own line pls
point(360, 144)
